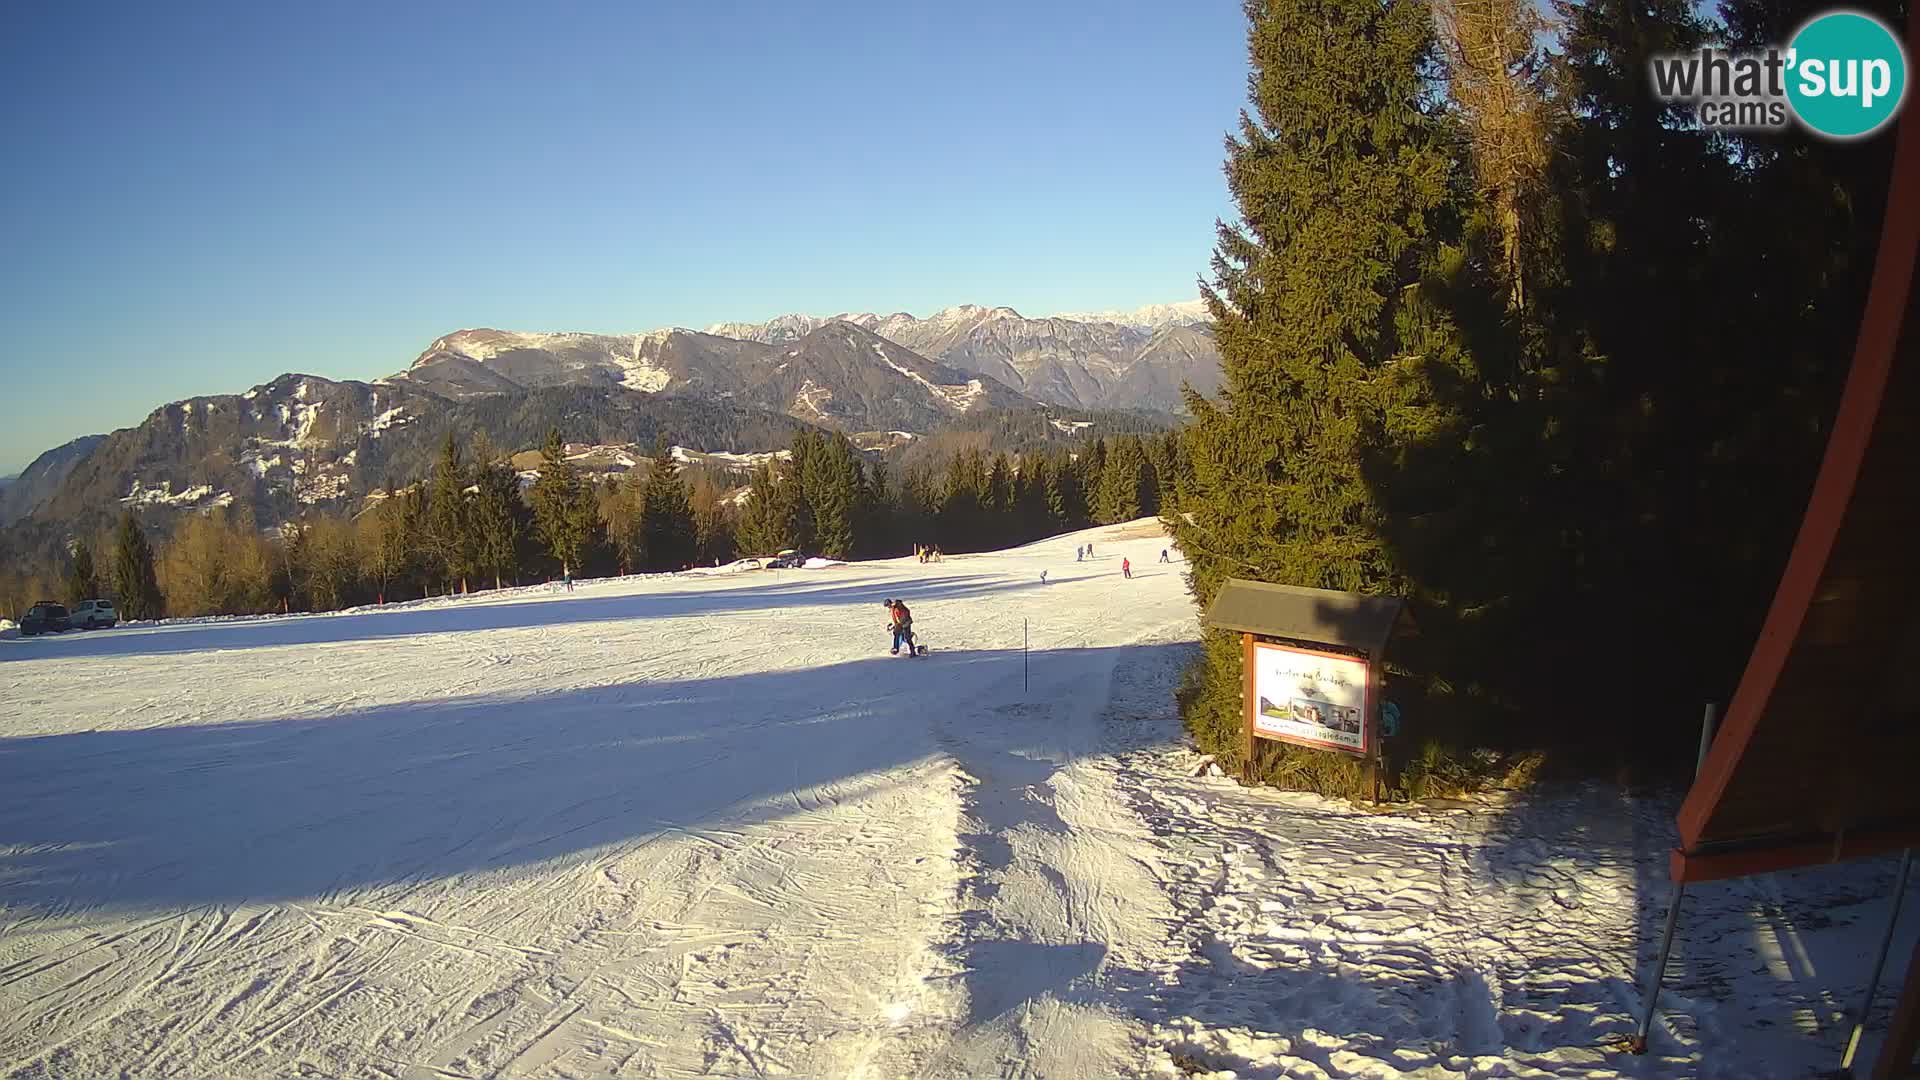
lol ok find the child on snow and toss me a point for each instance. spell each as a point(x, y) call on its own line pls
point(1126, 569)
point(900, 621)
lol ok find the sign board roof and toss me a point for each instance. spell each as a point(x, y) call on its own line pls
point(1327, 616)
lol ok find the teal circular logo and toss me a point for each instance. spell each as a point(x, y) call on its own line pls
point(1846, 75)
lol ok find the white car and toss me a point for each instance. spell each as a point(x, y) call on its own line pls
point(94, 615)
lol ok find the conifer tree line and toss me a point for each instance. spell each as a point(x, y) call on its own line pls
point(1507, 336)
point(827, 499)
point(471, 524)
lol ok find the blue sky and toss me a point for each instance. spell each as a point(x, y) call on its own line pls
point(199, 197)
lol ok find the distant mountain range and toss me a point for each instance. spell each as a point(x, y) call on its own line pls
point(306, 441)
point(1109, 360)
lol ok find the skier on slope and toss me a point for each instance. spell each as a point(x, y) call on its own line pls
point(900, 621)
point(1126, 568)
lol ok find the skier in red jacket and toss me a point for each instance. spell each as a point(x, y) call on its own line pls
point(900, 621)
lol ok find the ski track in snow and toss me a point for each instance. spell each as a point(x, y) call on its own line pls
point(702, 825)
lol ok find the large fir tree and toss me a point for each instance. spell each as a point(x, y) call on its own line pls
point(1339, 172)
point(496, 513)
point(133, 576)
point(83, 583)
point(449, 530)
point(667, 517)
point(766, 518)
point(564, 515)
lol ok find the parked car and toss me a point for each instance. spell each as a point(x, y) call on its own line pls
point(45, 617)
point(94, 615)
point(787, 562)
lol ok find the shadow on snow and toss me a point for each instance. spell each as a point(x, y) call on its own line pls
point(477, 612)
point(271, 810)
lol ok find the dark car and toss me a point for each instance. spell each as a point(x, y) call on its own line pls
point(45, 617)
point(787, 562)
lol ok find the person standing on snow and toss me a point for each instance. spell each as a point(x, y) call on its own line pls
point(1163, 555)
point(1126, 569)
point(900, 621)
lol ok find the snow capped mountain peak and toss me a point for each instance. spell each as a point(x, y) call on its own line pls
point(1150, 317)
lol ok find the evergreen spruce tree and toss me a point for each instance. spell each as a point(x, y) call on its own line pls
point(963, 503)
point(496, 514)
point(879, 514)
point(832, 494)
point(766, 519)
point(1124, 483)
point(450, 535)
point(667, 517)
point(133, 576)
point(1340, 173)
point(1090, 465)
point(918, 507)
point(564, 515)
point(998, 504)
point(1030, 498)
point(82, 582)
point(1065, 508)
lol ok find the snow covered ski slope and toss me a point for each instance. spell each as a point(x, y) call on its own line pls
point(703, 825)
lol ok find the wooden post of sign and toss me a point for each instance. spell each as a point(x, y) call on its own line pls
point(1376, 750)
point(1247, 710)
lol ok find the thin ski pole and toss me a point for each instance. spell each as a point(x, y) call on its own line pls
point(1879, 964)
point(1638, 1044)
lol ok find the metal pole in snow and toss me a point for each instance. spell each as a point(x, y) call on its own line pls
point(1866, 1000)
point(1707, 727)
point(1638, 1044)
point(1023, 656)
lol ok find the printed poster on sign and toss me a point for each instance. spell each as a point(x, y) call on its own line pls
point(1315, 699)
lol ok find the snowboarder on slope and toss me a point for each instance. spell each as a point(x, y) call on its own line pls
point(1043, 577)
point(900, 621)
point(1126, 569)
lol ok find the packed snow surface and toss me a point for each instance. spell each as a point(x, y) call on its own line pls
point(703, 825)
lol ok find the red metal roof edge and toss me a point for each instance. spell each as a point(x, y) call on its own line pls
point(1880, 330)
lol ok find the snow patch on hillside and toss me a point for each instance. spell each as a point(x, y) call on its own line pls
point(812, 399)
point(638, 372)
point(323, 487)
point(392, 418)
point(957, 398)
point(727, 458)
point(164, 495)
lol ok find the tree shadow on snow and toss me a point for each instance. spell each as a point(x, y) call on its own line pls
point(479, 611)
point(300, 807)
